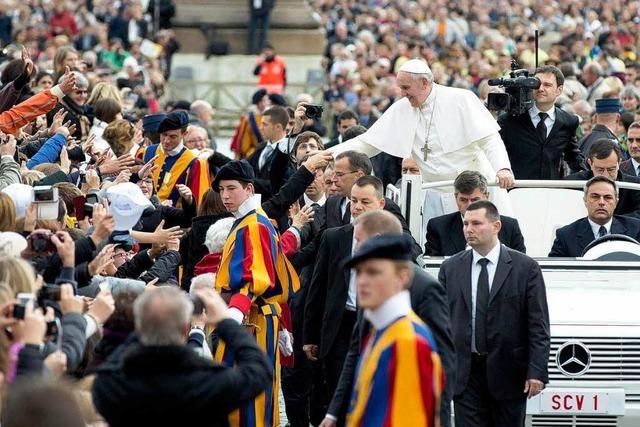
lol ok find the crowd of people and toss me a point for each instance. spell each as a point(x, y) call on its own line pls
point(147, 278)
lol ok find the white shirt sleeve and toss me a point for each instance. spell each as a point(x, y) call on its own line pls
point(354, 144)
point(493, 148)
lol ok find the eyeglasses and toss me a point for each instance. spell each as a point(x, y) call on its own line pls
point(341, 174)
point(81, 92)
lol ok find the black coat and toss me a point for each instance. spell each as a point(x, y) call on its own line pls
point(572, 239)
point(327, 293)
point(445, 236)
point(532, 158)
point(628, 200)
point(172, 385)
point(333, 218)
point(518, 337)
point(192, 248)
point(429, 301)
point(626, 167)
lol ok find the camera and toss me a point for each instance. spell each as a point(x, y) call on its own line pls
point(313, 111)
point(49, 292)
point(46, 198)
point(20, 306)
point(518, 96)
point(198, 306)
point(41, 243)
point(91, 199)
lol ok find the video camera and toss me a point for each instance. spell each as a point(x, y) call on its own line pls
point(518, 96)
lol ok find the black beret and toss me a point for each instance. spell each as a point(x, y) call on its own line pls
point(235, 170)
point(177, 119)
point(258, 95)
point(397, 248)
point(151, 122)
point(277, 100)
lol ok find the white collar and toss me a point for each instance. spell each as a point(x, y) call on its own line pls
point(309, 202)
point(596, 227)
point(534, 111)
point(176, 150)
point(252, 203)
point(635, 165)
point(493, 256)
point(397, 306)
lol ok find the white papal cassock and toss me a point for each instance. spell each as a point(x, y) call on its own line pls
point(460, 134)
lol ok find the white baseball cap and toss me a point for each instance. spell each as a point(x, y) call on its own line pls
point(126, 204)
point(21, 195)
point(12, 244)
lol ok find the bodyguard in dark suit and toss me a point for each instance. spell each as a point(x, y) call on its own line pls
point(600, 198)
point(348, 167)
point(500, 321)
point(330, 308)
point(428, 301)
point(604, 160)
point(445, 236)
point(539, 140)
point(632, 165)
point(274, 123)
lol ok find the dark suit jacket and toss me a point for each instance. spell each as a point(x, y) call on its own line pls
point(263, 178)
point(335, 141)
point(532, 158)
point(429, 301)
point(333, 218)
point(445, 236)
point(573, 238)
point(327, 293)
point(517, 322)
point(627, 168)
point(628, 200)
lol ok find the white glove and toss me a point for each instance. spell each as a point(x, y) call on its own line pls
point(284, 343)
point(235, 314)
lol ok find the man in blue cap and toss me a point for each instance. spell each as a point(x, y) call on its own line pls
point(178, 169)
point(607, 122)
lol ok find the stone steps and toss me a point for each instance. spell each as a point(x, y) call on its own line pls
point(293, 28)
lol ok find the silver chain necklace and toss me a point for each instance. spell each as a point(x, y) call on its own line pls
point(425, 149)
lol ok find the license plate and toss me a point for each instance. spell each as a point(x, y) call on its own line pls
point(578, 401)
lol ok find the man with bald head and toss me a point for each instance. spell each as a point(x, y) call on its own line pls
point(444, 129)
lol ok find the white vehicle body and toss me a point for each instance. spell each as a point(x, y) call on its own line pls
point(594, 310)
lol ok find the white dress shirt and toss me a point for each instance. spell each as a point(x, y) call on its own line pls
point(548, 122)
point(351, 293)
point(636, 165)
point(492, 256)
point(309, 202)
point(280, 145)
point(596, 227)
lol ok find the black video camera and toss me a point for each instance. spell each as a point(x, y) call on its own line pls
point(518, 96)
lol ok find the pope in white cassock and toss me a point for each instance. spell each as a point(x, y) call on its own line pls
point(446, 130)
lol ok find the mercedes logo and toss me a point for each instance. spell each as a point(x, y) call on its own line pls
point(573, 358)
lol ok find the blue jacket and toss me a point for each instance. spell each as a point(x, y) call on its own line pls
point(49, 152)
